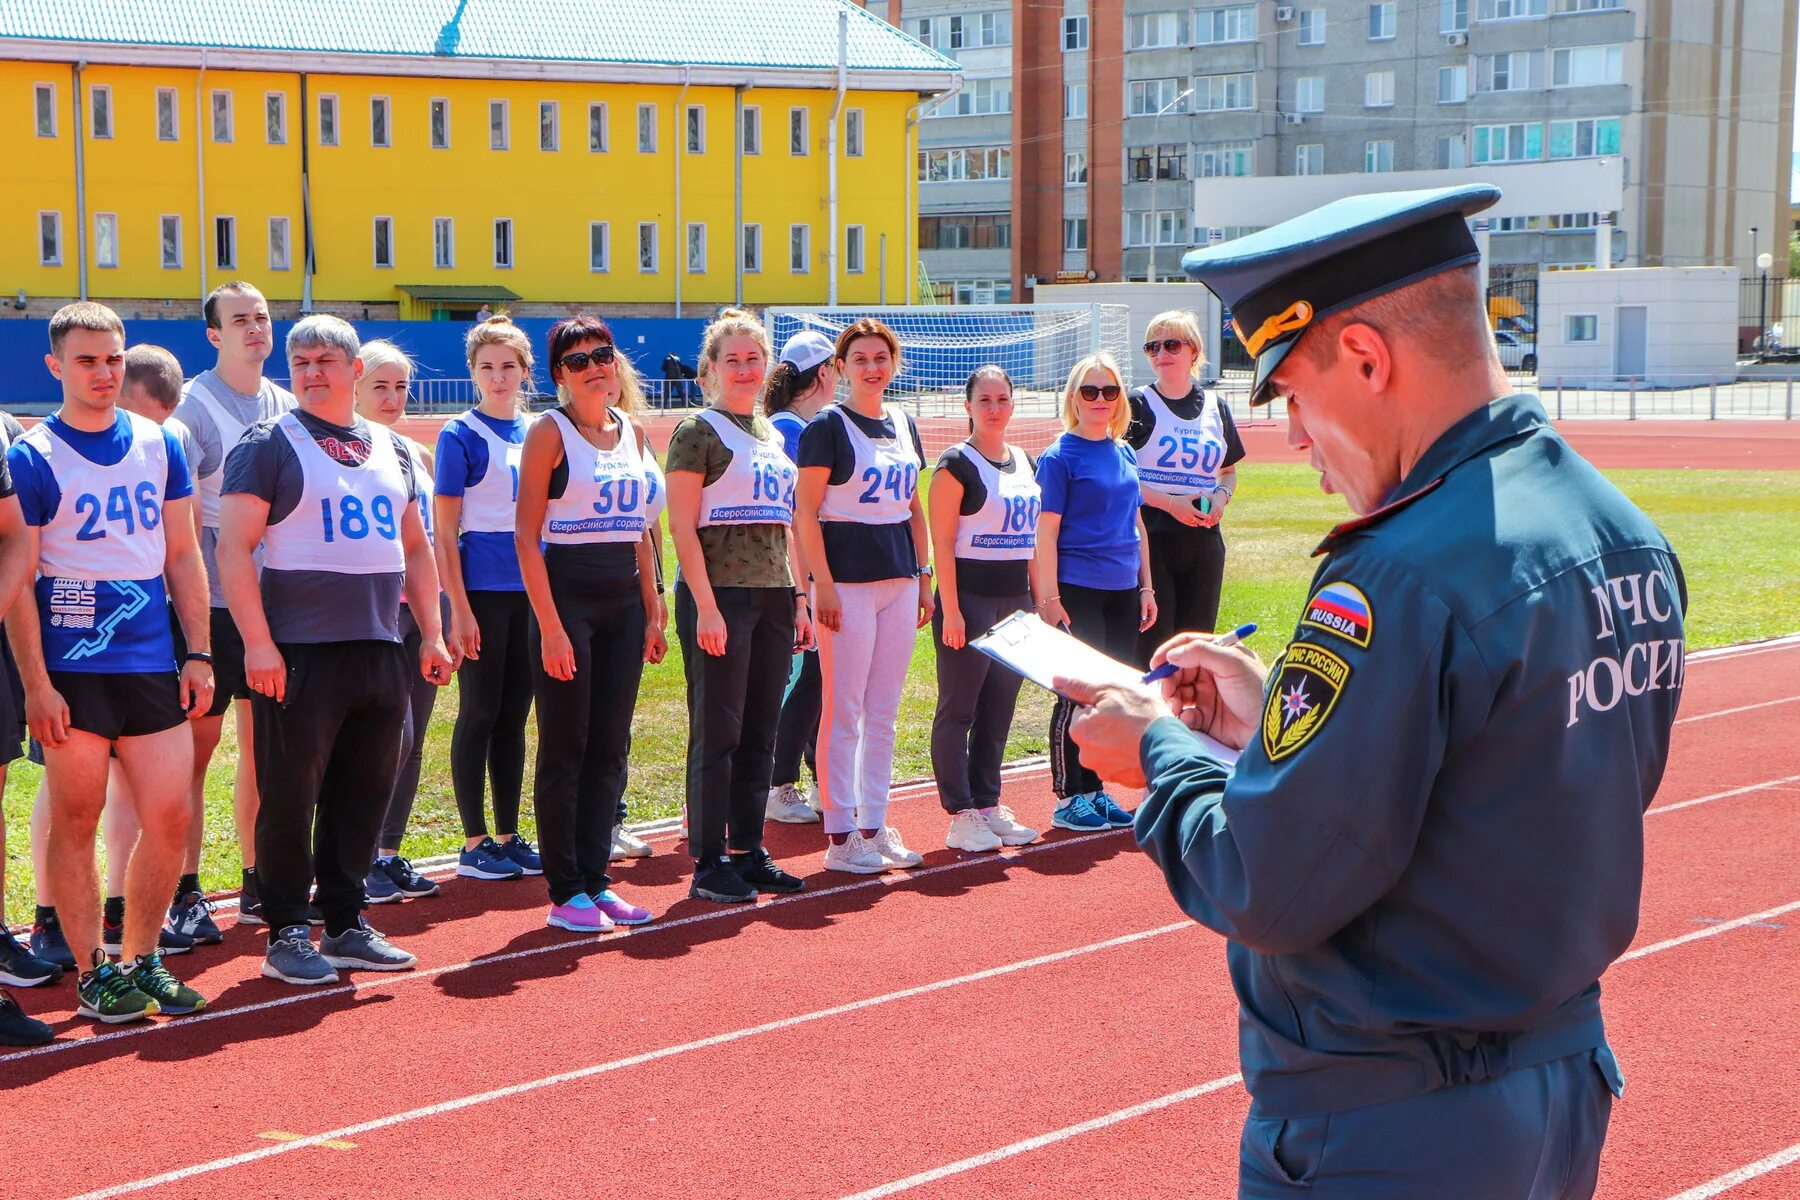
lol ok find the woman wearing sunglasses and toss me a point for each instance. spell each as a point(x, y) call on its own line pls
point(590, 488)
point(1187, 446)
point(1093, 562)
point(738, 610)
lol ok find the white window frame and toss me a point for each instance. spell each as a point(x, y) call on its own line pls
point(1457, 76)
point(1312, 25)
point(1461, 156)
point(1511, 10)
point(331, 130)
point(100, 100)
point(385, 106)
point(553, 110)
point(1563, 60)
point(1570, 7)
point(40, 110)
point(1453, 16)
point(799, 249)
point(500, 136)
point(853, 133)
point(1575, 124)
point(994, 28)
point(1156, 30)
point(1378, 89)
point(599, 239)
point(1304, 156)
point(750, 130)
point(1384, 21)
point(654, 246)
point(162, 241)
point(1518, 63)
point(602, 125)
point(506, 261)
point(1374, 151)
point(1074, 34)
point(1222, 160)
point(1592, 329)
point(1075, 101)
point(693, 129)
point(216, 113)
point(920, 28)
point(695, 248)
point(275, 122)
point(377, 227)
point(956, 32)
point(107, 240)
point(1075, 168)
point(856, 245)
point(439, 104)
point(1075, 234)
point(646, 132)
point(799, 122)
point(1225, 25)
point(753, 249)
point(1525, 136)
point(443, 243)
point(50, 231)
point(283, 261)
point(1150, 97)
point(1309, 94)
point(168, 100)
point(1212, 93)
point(225, 230)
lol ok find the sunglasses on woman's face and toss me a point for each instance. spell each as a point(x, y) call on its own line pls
point(1090, 393)
point(581, 358)
point(1167, 346)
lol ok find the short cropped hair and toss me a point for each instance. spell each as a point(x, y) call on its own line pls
point(1443, 311)
point(82, 314)
point(323, 330)
point(236, 287)
point(156, 371)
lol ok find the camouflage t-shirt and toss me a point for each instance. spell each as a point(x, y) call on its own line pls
point(736, 555)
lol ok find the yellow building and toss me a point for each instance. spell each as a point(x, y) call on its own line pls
point(421, 157)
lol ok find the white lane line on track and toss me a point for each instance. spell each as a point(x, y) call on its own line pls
point(378, 983)
point(978, 1161)
point(1732, 712)
point(1744, 1174)
point(1752, 787)
point(1768, 914)
point(618, 1064)
point(1743, 649)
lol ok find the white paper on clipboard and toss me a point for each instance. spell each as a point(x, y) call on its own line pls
point(1041, 652)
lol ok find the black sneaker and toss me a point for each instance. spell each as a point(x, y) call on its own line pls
point(407, 881)
point(48, 943)
point(167, 940)
point(18, 1029)
point(721, 884)
point(191, 916)
point(20, 967)
point(760, 872)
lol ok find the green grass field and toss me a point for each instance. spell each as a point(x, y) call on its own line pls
point(1733, 530)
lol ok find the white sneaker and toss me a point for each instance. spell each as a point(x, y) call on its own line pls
point(812, 799)
point(893, 851)
point(857, 855)
point(1005, 826)
point(788, 806)
point(969, 832)
point(626, 844)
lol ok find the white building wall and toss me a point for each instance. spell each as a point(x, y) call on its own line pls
point(1145, 300)
point(1691, 323)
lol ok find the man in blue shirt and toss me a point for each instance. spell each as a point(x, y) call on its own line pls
point(1432, 845)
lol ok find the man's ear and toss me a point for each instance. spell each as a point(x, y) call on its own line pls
point(1367, 349)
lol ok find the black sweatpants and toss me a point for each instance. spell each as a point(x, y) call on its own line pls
point(493, 703)
point(422, 698)
point(798, 732)
point(1187, 565)
point(584, 729)
point(976, 699)
point(326, 757)
point(734, 706)
point(1106, 620)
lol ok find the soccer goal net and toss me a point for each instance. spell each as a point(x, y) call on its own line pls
point(1038, 344)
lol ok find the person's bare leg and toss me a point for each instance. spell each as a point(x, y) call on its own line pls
point(118, 828)
point(206, 740)
point(157, 767)
point(243, 792)
point(76, 773)
point(40, 843)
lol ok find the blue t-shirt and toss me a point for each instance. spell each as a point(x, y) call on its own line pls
point(790, 425)
point(106, 626)
point(1093, 486)
point(490, 560)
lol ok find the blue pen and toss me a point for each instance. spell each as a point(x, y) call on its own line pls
point(1231, 639)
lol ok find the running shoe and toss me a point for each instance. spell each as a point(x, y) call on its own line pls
point(149, 976)
point(191, 916)
point(1079, 813)
point(167, 940)
point(19, 1029)
point(362, 948)
point(249, 901)
point(619, 911)
point(292, 958)
point(1117, 817)
point(410, 883)
point(626, 844)
point(578, 914)
point(760, 872)
point(856, 855)
point(378, 888)
point(49, 944)
point(521, 851)
point(108, 995)
point(720, 884)
point(487, 861)
point(893, 851)
point(19, 967)
point(813, 799)
point(1006, 827)
point(970, 833)
point(789, 806)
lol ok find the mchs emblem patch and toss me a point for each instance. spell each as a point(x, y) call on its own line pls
point(1308, 681)
point(1341, 608)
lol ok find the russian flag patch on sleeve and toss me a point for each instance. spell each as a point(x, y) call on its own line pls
point(1340, 608)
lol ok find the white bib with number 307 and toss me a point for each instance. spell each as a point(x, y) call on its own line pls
point(612, 495)
point(348, 518)
point(880, 489)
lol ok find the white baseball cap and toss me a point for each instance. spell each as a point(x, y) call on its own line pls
point(807, 349)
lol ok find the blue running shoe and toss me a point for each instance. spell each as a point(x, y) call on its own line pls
point(48, 942)
point(378, 888)
point(518, 850)
point(1115, 816)
point(1078, 812)
point(487, 861)
point(19, 967)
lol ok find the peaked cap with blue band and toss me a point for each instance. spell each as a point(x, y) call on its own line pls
point(1277, 282)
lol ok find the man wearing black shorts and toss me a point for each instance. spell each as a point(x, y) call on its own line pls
point(105, 498)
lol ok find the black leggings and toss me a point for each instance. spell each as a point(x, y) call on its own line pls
point(799, 728)
point(422, 698)
point(493, 703)
point(1106, 620)
point(1187, 566)
point(584, 731)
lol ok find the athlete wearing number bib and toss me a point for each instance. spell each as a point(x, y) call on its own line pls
point(611, 496)
point(102, 609)
point(757, 488)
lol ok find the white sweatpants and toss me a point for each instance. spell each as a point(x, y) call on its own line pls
point(862, 668)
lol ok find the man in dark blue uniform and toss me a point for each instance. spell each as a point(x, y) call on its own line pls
point(1432, 845)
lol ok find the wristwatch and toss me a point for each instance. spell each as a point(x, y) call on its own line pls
point(925, 572)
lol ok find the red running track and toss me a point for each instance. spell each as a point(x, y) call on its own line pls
point(985, 1027)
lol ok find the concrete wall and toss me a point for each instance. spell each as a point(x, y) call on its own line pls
point(1692, 323)
point(1145, 300)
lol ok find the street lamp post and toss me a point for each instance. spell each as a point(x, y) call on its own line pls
point(1764, 261)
